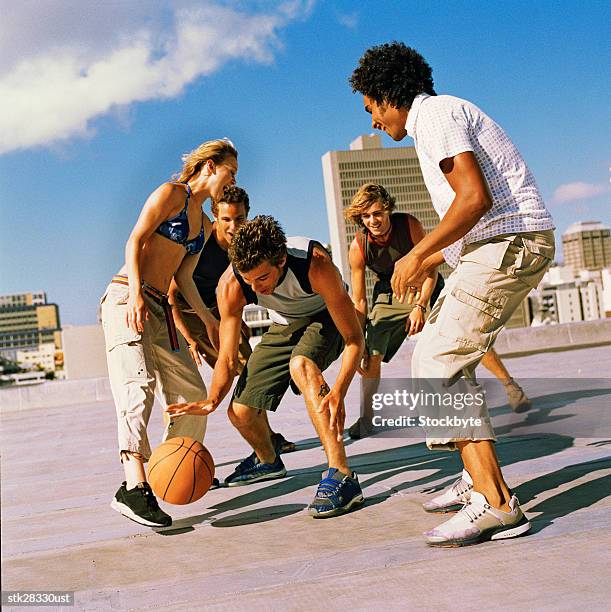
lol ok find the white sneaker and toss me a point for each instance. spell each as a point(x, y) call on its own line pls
point(453, 498)
point(478, 522)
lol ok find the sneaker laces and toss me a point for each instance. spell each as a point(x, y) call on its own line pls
point(151, 500)
point(459, 488)
point(328, 487)
point(471, 513)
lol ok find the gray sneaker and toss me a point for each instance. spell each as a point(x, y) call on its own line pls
point(453, 498)
point(479, 522)
point(516, 397)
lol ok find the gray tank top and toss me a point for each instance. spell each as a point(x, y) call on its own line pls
point(293, 297)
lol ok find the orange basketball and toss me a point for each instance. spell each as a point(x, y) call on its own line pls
point(180, 470)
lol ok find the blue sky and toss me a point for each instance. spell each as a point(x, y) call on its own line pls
point(99, 100)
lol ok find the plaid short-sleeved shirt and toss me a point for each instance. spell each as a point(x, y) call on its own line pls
point(444, 126)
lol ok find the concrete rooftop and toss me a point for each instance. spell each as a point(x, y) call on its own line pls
point(255, 547)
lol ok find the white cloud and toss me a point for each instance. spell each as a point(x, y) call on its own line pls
point(348, 20)
point(570, 192)
point(86, 62)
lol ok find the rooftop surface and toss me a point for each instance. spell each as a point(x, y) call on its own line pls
point(255, 547)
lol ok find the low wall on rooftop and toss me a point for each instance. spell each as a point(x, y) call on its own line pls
point(566, 336)
point(510, 343)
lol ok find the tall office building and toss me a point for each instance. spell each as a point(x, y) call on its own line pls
point(587, 245)
point(396, 168)
point(27, 323)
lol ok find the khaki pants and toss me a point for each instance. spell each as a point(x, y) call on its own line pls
point(489, 283)
point(141, 364)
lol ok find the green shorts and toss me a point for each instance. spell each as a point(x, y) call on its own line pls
point(266, 377)
point(385, 329)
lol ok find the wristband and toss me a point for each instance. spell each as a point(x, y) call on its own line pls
point(422, 308)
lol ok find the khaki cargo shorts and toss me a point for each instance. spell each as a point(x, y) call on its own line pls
point(489, 283)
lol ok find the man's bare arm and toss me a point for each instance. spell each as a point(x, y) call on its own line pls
point(417, 234)
point(181, 326)
point(357, 275)
point(471, 202)
point(327, 282)
point(231, 304)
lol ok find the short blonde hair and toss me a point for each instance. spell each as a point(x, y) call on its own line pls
point(216, 150)
point(368, 195)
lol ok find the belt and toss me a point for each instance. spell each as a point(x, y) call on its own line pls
point(161, 299)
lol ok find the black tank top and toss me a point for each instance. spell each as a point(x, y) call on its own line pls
point(212, 263)
point(380, 257)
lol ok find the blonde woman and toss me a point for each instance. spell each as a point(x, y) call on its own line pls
point(143, 350)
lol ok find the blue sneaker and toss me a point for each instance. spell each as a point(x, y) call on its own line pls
point(337, 493)
point(280, 445)
point(252, 470)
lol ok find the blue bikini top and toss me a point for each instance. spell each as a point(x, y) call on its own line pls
point(176, 229)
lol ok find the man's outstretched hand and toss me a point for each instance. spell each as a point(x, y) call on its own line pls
point(195, 408)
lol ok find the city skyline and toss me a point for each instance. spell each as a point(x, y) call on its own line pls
point(76, 167)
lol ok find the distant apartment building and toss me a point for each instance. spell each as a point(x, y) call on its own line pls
point(396, 168)
point(586, 245)
point(567, 295)
point(28, 323)
point(42, 358)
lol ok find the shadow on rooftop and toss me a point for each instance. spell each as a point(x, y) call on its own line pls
point(569, 501)
point(392, 462)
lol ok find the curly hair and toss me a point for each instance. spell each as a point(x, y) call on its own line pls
point(232, 194)
point(261, 239)
point(216, 150)
point(368, 195)
point(393, 74)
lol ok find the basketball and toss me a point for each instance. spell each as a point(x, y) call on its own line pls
point(180, 470)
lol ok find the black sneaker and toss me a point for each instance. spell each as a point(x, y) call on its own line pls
point(140, 505)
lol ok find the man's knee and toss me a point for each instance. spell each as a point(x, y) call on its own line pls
point(303, 370)
point(241, 415)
